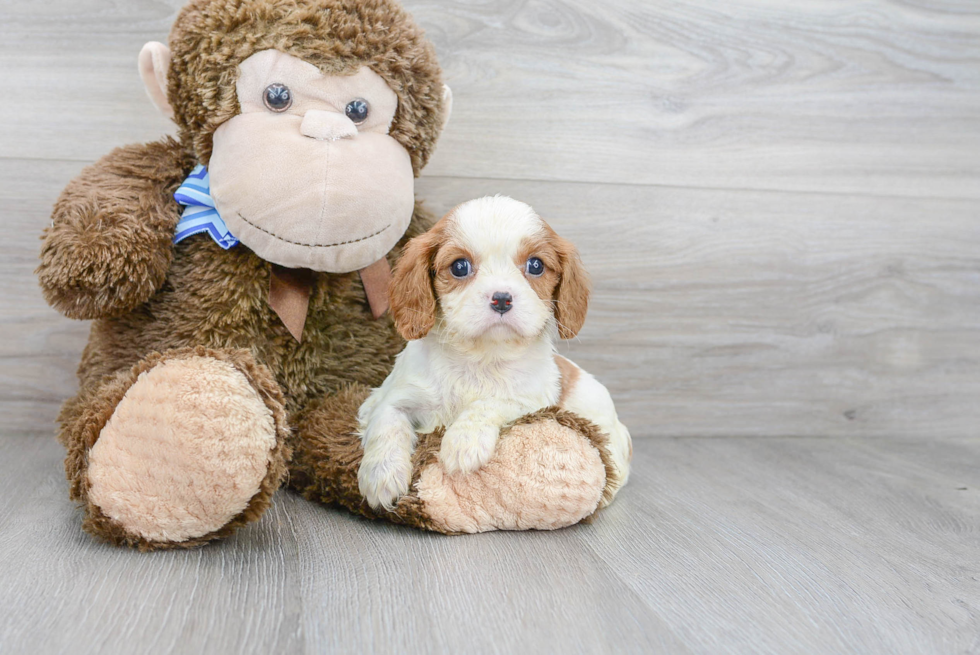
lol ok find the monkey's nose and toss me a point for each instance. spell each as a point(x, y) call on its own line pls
point(501, 302)
point(327, 125)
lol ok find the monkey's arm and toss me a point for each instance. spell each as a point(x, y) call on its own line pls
point(108, 248)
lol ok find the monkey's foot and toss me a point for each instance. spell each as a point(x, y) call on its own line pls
point(550, 470)
point(191, 451)
point(547, 472)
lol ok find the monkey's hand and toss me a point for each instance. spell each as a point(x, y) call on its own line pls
point(109, 245)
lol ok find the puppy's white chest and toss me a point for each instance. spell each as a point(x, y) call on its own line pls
point(529, 385)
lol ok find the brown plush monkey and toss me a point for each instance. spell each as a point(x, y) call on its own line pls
point(217, 363)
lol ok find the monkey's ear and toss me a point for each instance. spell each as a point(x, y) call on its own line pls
point(447, 102)
point(154, 66)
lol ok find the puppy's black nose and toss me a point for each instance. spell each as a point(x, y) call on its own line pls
point(501, 302)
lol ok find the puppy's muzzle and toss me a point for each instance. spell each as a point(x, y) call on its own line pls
point(501, 302)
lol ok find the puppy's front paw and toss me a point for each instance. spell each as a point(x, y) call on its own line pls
point(384, 476)
point(467, 445)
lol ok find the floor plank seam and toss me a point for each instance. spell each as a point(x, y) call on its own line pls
point(679, 187)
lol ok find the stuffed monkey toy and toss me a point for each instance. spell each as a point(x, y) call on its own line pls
point(236, 278)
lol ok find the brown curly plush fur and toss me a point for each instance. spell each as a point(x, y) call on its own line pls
point(84, 274)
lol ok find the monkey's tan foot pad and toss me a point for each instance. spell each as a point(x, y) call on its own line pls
point(545, 474)
point(189, 448)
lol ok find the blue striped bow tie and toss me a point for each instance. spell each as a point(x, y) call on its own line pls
point(199, 212)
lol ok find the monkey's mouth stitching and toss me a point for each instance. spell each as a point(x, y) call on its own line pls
point(313, 245)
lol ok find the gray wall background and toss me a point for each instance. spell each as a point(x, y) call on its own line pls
point(779, 201)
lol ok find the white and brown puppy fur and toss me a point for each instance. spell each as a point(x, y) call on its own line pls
point(482, 298)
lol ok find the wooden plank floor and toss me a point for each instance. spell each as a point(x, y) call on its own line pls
point(780, 205)
point(717, 545)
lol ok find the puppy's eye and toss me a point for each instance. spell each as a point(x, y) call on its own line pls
point(277, 97)
point(460, 268)
point(534, 267)
point(358, 110)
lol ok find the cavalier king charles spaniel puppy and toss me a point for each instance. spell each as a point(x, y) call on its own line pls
point(481, 299)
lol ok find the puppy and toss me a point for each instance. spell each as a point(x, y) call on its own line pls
point(481, 298)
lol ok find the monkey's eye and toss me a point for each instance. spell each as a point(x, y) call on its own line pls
point(460, 268)
point(534, 267)
point(357, 110)
point(277, 97)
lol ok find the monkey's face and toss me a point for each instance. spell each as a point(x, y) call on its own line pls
point(313, 118)
point(307, 175)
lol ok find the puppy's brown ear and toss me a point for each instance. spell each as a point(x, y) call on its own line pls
point(411, 295)
point(572, 292)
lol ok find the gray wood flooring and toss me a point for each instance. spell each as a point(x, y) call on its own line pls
point(780, 205)
point(760, 545)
